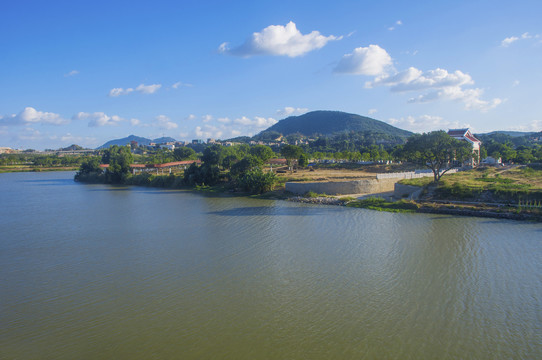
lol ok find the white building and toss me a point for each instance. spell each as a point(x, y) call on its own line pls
point(466, 135)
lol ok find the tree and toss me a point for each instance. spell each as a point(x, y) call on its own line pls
point(248, 163)
point(263, 152)
point(291, 152)
point(303, 160)
point(436, 150)
point(119, 159)
point(213, 155)
point(183, 153)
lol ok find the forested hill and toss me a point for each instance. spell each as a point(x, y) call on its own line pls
point(332, 122)
point(138, 139)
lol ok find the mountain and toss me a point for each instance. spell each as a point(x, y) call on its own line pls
point(509, 133)
point(138, 139)
point(164, 140)
point(332, 122)
point(126, 141)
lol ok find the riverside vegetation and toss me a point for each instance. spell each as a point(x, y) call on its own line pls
point(242, 168)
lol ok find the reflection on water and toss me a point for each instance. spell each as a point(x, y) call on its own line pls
point(92, 271)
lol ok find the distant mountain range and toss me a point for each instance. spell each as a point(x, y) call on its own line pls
point(332, 122)
point(140, 140)
point(328, 123)
point(509, 133)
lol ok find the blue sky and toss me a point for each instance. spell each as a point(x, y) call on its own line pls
point(86, 72)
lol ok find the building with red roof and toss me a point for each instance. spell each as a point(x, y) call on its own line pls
point(466, 135)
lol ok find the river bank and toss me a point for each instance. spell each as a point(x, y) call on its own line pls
point(498, 211)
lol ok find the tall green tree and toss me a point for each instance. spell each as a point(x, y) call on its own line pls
point(291, 152)
point(119, 159)
point(262, 152)
point(436, 150)
point(183, 153)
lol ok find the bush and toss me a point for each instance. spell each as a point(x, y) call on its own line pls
point(256, 181)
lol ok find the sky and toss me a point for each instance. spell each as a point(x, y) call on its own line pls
point(85, 72)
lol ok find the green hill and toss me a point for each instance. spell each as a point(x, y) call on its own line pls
point(333, 122)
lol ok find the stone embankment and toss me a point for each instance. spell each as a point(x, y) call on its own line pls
point(381, 184)
point(364, 186)
point(318, 200)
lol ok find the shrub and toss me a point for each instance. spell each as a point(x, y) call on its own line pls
point(256, 181)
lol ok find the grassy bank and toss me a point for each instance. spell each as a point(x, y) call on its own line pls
point(30, 168)
point(379, 204)
point(489, 184)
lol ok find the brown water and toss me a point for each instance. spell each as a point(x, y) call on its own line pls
point(101, 272)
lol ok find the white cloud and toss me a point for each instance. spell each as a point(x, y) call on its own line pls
point(414, 79)
point(71, 73)
point(98, 119)
point(135, 122)
point(470, 97)
point(224, 120)
point(29, 115)
point(80, 140)
point(425, 123)
point(279, 40)
point(288, 110)
point(372, 111)
point(535, 126)
point(191, 117)
point(515, 83)
point(372, 60)
point(148, 89)
point(30, 134)
point(208, 131)
point(142, 88)
point(162, 121)
point(509, 40)
point(397, 23)
point(180, 84)
point(439, 84)
point(206, 118)
point(256, 122)
point(512, 39)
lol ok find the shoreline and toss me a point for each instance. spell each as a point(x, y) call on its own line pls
point(424, 207)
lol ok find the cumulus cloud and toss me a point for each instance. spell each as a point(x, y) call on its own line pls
point(425, 123)
point(281, 41)
point(512, 39)
point(437, 84)
point(372, 111)
point(509, 40)
point(135, 122)
point(191, 117)
point(206, 118)
point(29, 115)
point(256, 122)
point(71, 73)
point(224, 120)
point(414, 79)
point(372, 60)
point(208, 131)
point(535, 126)
point(470, 98)
point(288, 110)
point(142, 88)
point(164, 122)
point(98, 119)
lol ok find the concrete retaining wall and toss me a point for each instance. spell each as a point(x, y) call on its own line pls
point(366, 186)
point(406, 192)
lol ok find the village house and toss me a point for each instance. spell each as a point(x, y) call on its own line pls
point(466, 135)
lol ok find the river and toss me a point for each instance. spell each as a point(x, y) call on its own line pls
point(104, 272)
